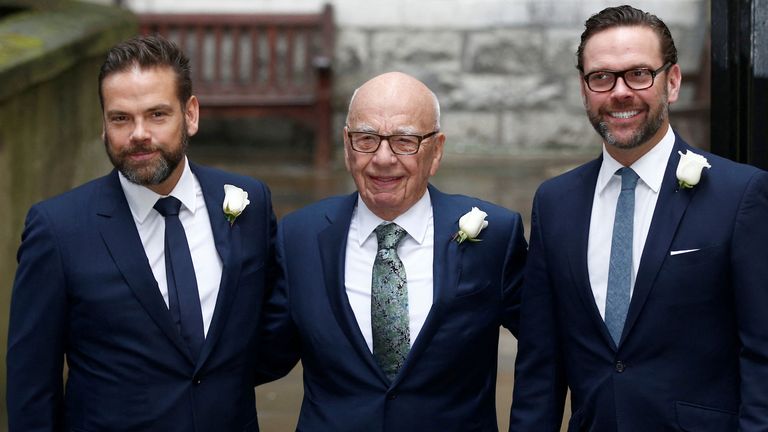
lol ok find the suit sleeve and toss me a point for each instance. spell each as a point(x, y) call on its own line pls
point(750, 282)
point(279, 344)
point(37, 331)
point(540, 386)
point(512, 278)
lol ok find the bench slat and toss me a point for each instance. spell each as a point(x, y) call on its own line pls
point(258, 64)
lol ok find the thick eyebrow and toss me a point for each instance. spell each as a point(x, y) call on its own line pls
point(111, 113)
point(154, 108)
point(160, 107)
point(640, 66)
point(403, 130)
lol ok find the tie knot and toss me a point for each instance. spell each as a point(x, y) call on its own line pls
point(389, 235)
point(168, 206)
point(628, 178)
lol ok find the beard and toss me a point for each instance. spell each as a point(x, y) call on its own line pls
point(152, 172)
point(640, 135)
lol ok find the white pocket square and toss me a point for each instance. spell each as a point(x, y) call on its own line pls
point(679, 252)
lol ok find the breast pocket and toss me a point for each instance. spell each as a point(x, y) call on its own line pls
point(692, 257)
point(694, 278)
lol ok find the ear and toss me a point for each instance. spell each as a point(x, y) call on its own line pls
point(345, 140)
point(584, 89)
point(192, 115)
point(437, 155)
point(674, 80)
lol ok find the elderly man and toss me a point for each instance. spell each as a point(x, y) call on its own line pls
point(395, 318)
point(647, 281)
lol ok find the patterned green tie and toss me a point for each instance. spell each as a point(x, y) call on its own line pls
point(389, 302)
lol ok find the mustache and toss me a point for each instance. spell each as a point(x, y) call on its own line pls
point(138, 148)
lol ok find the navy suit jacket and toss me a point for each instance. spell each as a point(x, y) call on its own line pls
point(693, 355)
point(84, 289)
point(448, 380)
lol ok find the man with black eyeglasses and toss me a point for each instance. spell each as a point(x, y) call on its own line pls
point(392, 296)
point(646, 287)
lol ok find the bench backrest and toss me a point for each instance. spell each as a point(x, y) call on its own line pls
point(251, 59)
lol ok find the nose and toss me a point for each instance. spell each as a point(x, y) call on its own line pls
point(621, 89)
point(384, 153)
point(139, 132)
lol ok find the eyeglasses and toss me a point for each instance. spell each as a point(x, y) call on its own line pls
point(367, 142)
point(636, 79)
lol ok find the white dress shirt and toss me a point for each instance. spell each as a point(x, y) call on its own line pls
point(650, 168)
point(197, 226)
point(415, 251)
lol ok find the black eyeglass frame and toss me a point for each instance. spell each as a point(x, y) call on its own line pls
point(381, 138)
point(621, 74)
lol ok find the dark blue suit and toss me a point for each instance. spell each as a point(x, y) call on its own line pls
point(693, 355)
point(448, 380)
point(85, 290)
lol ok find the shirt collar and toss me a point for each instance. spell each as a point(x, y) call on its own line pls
point(414, 221)
point(650, 167)
point(141, 199)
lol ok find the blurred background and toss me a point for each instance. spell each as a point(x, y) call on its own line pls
point(274, 78)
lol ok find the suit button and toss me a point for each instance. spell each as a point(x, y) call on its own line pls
point(196, 380)
point(620, 366)
point(392, 396)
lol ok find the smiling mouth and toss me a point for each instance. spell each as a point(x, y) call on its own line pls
point(141, 155)
point(624, 114)
point(384, 181)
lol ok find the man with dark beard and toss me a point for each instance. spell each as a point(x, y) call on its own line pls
point(646, 282)
point(148, 281)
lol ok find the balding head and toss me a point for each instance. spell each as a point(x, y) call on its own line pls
point(399, 86)
point(394, 103)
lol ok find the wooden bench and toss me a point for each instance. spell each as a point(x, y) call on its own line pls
point(267, 65)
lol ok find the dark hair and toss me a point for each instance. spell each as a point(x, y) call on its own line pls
point(148, 52)
point(622, 16)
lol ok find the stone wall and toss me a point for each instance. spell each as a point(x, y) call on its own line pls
point(504, 70)
point(50, 119)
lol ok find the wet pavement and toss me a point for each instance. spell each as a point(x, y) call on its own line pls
point(507, 181)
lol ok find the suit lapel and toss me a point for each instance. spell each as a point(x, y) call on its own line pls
point(228, 243)
point(670, 208)
point(332, 243)
point(118, 229)
point(446, 271)
point(580, 200)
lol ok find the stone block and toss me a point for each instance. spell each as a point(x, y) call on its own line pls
point(509, 50)
point(484, 92)
point(546, 131)
point(351, 65)
point(415, 50)
point(471, 131)
point(559, 51)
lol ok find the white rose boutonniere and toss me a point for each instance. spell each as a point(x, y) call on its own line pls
point(235, 201)
point(689, 169)
point(470, 225)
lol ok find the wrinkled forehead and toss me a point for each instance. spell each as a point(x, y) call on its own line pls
point(400, 109)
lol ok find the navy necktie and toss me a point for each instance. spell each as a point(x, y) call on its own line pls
point(183, 296)
point(620, 267)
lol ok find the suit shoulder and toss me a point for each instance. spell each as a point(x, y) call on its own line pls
point(317, 210)
point(562, 183)
point(572, 174)
point(723, 167)
point(219, 175)
point(493, 210)
point(73, 200)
